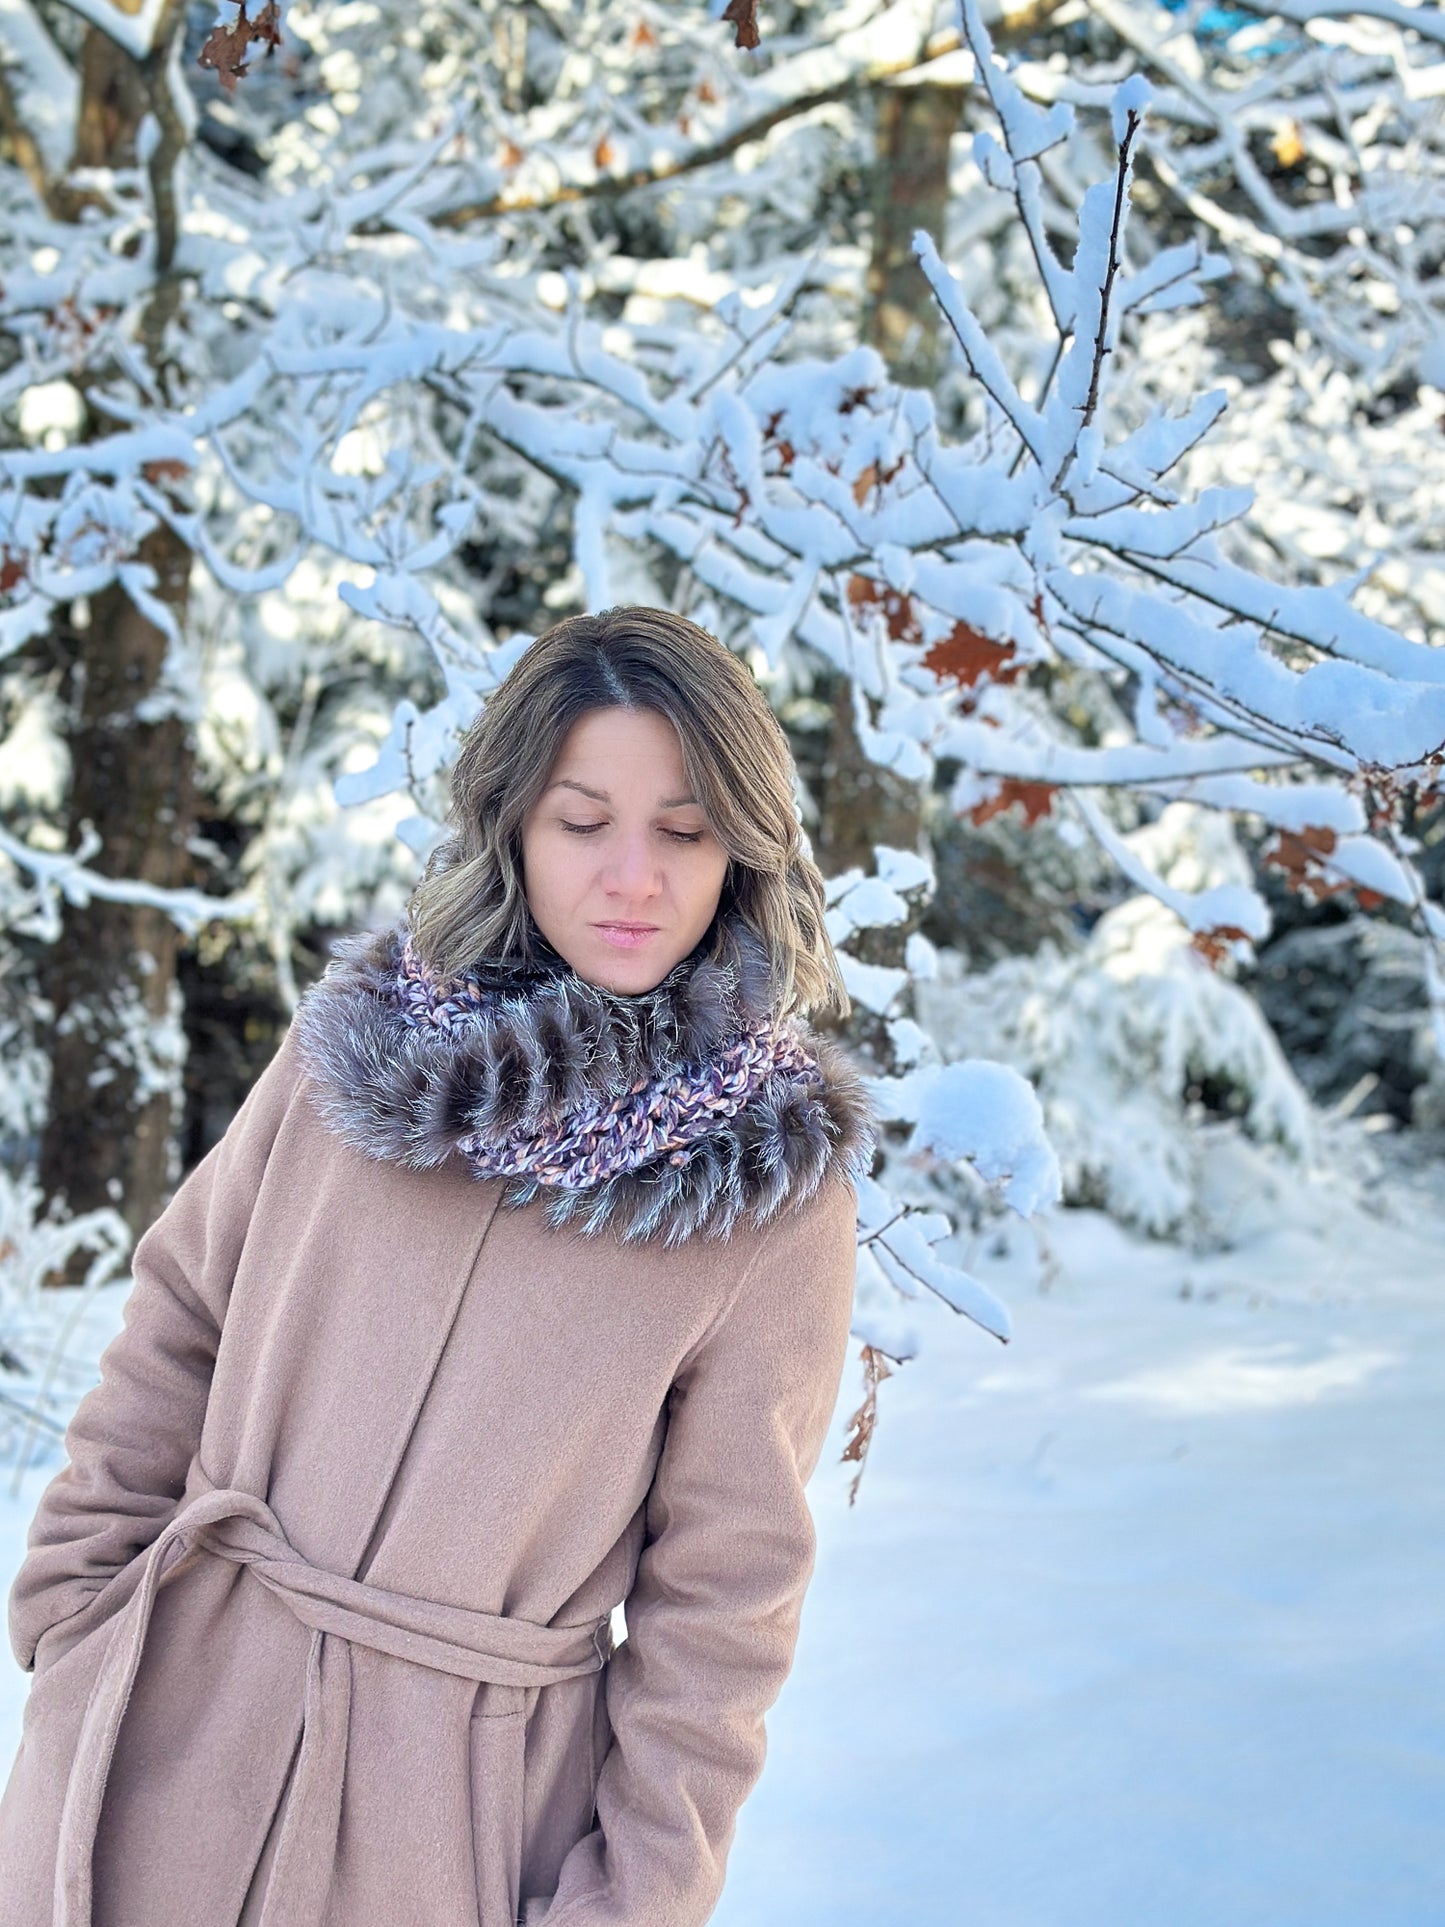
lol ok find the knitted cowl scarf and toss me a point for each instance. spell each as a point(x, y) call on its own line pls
point(667, 1114)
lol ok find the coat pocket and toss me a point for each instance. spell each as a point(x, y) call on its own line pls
point(105, 1603)
point(67, 1660)
point(63, 1636)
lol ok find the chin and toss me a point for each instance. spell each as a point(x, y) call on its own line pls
point(627, 979)
point(627, 972)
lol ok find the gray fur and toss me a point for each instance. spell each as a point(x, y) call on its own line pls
point(552, 1041)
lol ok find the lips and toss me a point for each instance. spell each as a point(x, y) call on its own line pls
point(626, 936)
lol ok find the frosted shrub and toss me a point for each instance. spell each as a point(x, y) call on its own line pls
point(1122, 1040)
point(41, 1374)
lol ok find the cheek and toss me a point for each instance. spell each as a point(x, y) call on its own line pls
point(705, 879)
point(546, 862)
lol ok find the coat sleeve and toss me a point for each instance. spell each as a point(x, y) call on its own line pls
point(130, 1442)
point(712, 1618)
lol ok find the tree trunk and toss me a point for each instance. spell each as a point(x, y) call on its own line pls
point(910, 191)
point(865, 804)
point(111, 975)
point(861, 804)
point(118, 1047)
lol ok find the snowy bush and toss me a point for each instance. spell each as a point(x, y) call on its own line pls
point(1348, 1001)
point(1126, 1040)
point(41, 1376)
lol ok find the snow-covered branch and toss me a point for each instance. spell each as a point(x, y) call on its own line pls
point(39, 94)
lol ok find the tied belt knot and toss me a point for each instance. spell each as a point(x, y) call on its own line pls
point(494, 1648)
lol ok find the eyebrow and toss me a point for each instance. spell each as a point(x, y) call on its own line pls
point(601, 796)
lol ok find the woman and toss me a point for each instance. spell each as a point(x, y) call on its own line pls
point(519, 1287)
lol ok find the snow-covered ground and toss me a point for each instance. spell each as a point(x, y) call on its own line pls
point(1139, 1622)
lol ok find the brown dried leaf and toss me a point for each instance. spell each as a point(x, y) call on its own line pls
point(1035, 799)
point(967, 656)
point(868, 479)
point(898, 611)
point(226, 47)
point(1213, 945)
point(743, 16)
point(874, 477)
point(773, 436)
point(865, 1420)
point(1298, 853)
point(12, 570)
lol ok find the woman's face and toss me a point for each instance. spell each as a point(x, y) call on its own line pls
point(621, 868)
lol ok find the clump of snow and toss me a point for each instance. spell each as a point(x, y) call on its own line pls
point(986, 1113)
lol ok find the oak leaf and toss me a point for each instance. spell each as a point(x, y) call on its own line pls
point(1300, 855)
point(966, 656)
point(1213, 945)
point(1035, 799)
point(226, 47)
point(864, 1421)
point(742, 15)
point(896, 608)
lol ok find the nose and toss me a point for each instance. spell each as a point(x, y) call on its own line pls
point(634, 871)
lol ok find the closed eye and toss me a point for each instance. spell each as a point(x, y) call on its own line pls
point(590, 829)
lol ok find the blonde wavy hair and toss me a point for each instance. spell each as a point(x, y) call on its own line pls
point(470, 903)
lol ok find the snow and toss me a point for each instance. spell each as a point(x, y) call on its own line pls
point(1111, 1038)
point(57, 1330)
point(1138, 1620)
point(987, 1113)
point(661, 429)
point(29, 56)
point(68, 875)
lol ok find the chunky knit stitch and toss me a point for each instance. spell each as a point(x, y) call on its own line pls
point(655, 1117)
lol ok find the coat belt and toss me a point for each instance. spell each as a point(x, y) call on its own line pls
point(491, 1647)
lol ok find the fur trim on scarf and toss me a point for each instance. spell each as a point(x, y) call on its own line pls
point(542, 1043)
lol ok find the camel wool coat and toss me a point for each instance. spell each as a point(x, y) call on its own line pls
point(319, 1609)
